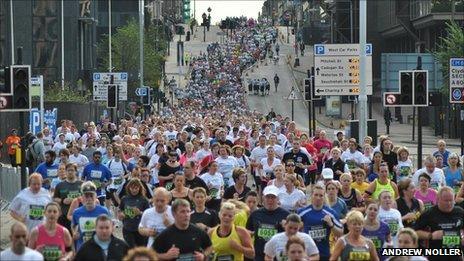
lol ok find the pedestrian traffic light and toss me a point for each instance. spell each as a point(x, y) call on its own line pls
point(406, 88)
point(112, 99)
point(186, 10)
point(20, 77)
point(420, 88)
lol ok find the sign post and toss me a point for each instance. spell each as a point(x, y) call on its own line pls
point(101, 82)
point(337, 69)
point(293, 95)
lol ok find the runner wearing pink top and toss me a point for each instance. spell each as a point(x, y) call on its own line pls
point(425, 193)
point(51, 239)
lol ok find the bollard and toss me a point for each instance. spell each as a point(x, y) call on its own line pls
point(297, 62)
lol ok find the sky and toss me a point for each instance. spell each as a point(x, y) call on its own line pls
point(223, 8)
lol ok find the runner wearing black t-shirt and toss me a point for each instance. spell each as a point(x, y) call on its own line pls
point(65, 192)
point(267, 221)
point(442, 224)
point(239, 190)
point(201, 216)
point(299, 157)
point(182, 240)
point(191, 180)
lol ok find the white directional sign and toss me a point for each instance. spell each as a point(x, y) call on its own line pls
point(456, 76)
point(101, 81)
point(337, 69)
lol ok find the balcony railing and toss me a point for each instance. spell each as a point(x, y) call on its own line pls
point(421, 8)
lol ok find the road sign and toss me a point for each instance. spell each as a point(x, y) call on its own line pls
point(329, 91)
point(456, 76)
point(101, 80)
point(337, 69)
point(50, 117)
point(141, 91)
point(293, 95)
point(34, 121)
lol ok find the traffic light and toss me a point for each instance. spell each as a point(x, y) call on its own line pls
point(186, 10)
point(307, 89)
point(20, 77)
point(112, 96)
point(406, 88)
point(420, 88)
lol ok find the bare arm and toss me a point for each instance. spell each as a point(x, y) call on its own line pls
point(17, 216)
point(339, 246)
point(247, 246)
point(69, 245)
point(33, 239)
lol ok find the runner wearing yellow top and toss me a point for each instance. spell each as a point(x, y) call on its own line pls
point(229, 241)
point(359, 181)
point(381, 183)
point(242, 212)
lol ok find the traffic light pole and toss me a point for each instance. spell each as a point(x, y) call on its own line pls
point(313, 107)
point(419, 123)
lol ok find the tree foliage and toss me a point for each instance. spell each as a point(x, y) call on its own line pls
point(451, 46)
point(125, 53)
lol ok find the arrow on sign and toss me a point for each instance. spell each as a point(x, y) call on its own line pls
point(317, 70)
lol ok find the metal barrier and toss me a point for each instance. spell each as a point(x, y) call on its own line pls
point(10, 182)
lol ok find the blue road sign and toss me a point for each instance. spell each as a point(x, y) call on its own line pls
point(142, 91)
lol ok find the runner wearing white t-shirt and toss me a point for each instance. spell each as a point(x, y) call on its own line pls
point(29, 205)
point(275, 247)
point(156, 219)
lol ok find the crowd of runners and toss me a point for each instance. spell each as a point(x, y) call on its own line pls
point(213, 180)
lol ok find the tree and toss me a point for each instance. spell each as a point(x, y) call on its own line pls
point(451, 46)
point(125, 53)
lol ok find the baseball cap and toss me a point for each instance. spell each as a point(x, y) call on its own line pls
point(88, 188)
point(327, 173)
point(271, 190)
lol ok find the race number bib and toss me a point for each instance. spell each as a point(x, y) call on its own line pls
point(87, 227)
point(213, 192)
point(225, 258)
point(36, 212)
point(451, 239)
point(51, 252)
point(129, 212)
point(318, 233)
point(266, 231)
point(351, 164)
point(360, 255)
point(52, 173)
point(117, 181)
point(393, 225)
point(405, 171)
point(377, 242)
point(323, 150)
point(96, 174)
point(73, 194)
